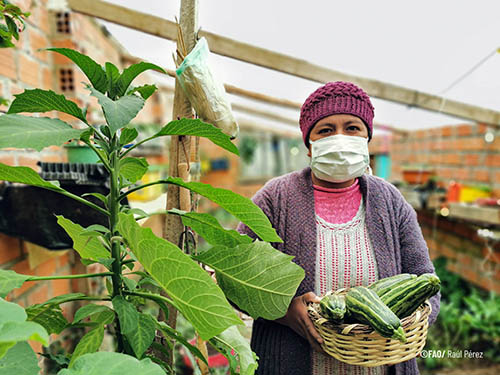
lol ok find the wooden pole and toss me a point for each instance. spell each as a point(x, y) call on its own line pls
point(180, 146)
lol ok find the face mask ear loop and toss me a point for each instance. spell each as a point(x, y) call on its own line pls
point(369, 171)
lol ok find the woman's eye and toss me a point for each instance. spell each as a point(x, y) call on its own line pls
point(353, 128)
point(324, 130)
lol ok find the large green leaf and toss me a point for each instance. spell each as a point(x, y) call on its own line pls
point(14, 331)
point(119, 112)
point(110, 363)
point(11, 312)
point(89, 343)
point(127, 314)
point(209, 228)
point(198, 128)
point(237, 205)
point(130, 73)
point(87, 247)
point(192, 290)
point(19, 360)
point(10, 280)
point(38, 100)
point(145, 91)
point(49, 317)
point(89, 310)
point(128, 135)
point(112, 74)
point(133, 168)
point(34, 132)
point(89, 67)
point(258, 278)
point(141, 338)
point(231, 339)
point(25, 175)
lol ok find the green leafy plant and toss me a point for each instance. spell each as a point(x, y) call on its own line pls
point(240, 265)
point(12, 22)
point(468, 320)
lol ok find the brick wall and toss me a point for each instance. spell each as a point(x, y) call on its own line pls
point(468, 255)
point(25, 67)
point(457, 153)
point(454, 153)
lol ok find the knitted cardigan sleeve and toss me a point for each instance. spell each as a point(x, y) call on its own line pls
point(414, 251)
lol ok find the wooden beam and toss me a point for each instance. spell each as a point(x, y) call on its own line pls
point(273, 60)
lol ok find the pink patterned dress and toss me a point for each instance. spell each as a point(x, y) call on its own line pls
point(344, 258)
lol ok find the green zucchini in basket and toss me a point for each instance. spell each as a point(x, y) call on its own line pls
point(406, 297)
point(383, 286)
point(332, 307)
point(365, 305)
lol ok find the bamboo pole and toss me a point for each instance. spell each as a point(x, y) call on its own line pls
point(180, 146)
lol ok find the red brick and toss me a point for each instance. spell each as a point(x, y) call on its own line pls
point(8, 159)
point(8, 63)
point(28, 161)
point(462, 173)
point(47, 268)
point(495, 145)
point(496, 177)
point(464, 130)
point(53, 158)
point(464, 260)
point(482, 128)
point(60, 287)
point(22, 268)
point(491, 256)
point(9, 248)
point(447, 131)
point(493, 160)
point(63, 260)
point(40, 294)
point(28, 71)
point(59, 59)
point(47, 79)
point(482, 176)
point(38, 43)
point(36, 346)
point(471, 159)
point(452, 159)
point(420, 134)
point(471, 143)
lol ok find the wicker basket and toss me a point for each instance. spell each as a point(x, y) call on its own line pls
point(358, 344)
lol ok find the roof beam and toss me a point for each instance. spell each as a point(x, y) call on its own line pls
point(273, 60)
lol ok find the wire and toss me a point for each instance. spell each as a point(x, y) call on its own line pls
point(470, 71)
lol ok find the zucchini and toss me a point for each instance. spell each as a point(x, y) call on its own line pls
point(382, 286)
point(333, 307)
point(406, 298)
point(365, 305)
point(408, 295)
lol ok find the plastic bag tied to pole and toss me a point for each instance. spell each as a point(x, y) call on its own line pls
point(206, 94)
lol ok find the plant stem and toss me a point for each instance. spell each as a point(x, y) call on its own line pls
point(152, 297)
point(137, 144)
point(96, 151)
point(114, 209)
point(81, 200)
point(81, 276)
point(130, 191)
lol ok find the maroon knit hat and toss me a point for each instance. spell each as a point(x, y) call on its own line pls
point(335, 98)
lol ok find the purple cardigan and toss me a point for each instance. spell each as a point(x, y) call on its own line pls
point(288, 202)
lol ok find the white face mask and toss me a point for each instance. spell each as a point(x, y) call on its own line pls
point(339, 158)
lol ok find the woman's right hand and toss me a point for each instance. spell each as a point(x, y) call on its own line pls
point(297, 319)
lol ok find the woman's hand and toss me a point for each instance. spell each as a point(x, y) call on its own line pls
point(297, 319)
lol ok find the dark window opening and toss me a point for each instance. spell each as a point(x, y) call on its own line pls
point(62, 22)
point(66, 80)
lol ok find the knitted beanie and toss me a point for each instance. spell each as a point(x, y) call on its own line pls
point(335, 98)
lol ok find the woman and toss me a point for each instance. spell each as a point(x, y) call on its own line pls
point(342, 225)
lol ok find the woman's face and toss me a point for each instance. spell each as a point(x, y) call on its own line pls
point(338, 124)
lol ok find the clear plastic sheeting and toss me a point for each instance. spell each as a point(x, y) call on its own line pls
point(206, 94)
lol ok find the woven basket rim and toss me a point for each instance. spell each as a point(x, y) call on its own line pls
point(422, 312)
